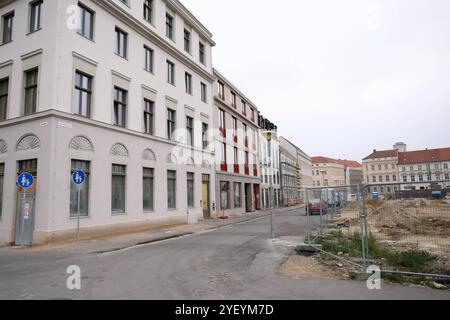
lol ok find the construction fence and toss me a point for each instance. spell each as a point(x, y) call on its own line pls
point(408, 237)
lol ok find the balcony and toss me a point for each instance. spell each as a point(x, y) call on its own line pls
point(255, 170)
point(235, 138)
point(236, 169)
point(247, 170)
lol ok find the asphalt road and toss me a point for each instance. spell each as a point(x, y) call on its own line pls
point(236, 262)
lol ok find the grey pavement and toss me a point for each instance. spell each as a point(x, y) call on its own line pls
point(213, 260)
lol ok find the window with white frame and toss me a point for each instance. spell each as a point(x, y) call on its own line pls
point(171, 189)
point(148, 189)
point(119, 173)
point(7, 27)
point(85, 21)
point(148, 59)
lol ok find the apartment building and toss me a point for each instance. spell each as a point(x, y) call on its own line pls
point(289, 173)
point(120, 89)
point(306, 177)
point(236, 145)
point(270, 164)
point(424, 169)
point(327, 172)
point(380, 170)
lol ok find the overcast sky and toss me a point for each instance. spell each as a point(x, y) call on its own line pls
point(339, 78)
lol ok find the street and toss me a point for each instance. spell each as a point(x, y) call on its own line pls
point(234, 262)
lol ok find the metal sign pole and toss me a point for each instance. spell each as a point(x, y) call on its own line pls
point(78, 211)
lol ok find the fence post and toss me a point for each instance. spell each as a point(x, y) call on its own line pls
point(308, 223)
point(361, 221)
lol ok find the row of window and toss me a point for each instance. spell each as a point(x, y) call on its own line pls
point(118, 189)
point(223, 130)
point(83, 102)
point(421, 177)
point(426, 167)
point(221, 94)
point(86, 22)
point(380, 167)
point(236, 168)
point(386, 178)
point(170, 29)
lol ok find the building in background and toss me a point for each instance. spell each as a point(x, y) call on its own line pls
point(306, 177)
point(380, 170)
point(295, 173)
point(270, 164)
point(327, 172)
point(353, 172)
point(120, 90)
point(236, 145)
point(397, 169)
point(424, 169)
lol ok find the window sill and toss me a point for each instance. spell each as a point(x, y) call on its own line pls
point(118, 214)
point(34, 31)
point(124, 58)
point(81, 217)
point(87, 38)
point(5, 43)
point(149, 71)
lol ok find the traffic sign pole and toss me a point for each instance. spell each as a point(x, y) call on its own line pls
point(78, 178)
point(78, 210)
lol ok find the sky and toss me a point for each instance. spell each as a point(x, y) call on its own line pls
point(339, 78)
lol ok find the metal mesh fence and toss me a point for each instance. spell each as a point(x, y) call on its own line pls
point(405, 236)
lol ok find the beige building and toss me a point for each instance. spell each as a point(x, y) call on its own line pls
point(327, 172)
point(381, 171)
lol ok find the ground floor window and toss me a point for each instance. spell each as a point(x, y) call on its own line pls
point(148, 189)
point(171, 189)
point(118, 188)
point(84, 190)
point(190, 189)
point(224, 195)
point(237, 195)
point(2, 175)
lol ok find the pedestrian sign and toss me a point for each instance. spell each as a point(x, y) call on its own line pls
point(25, 180)
point(78, 177)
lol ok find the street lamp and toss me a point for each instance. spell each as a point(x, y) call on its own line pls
point(269, 136)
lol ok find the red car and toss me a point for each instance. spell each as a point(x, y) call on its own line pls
point(317, 206)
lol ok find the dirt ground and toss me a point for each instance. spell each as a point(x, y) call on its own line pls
point(299, 267)
point(419, 224)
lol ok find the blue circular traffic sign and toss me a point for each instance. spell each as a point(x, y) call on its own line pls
point(25, 180)
point(78, 177)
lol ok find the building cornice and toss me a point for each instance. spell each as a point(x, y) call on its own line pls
point(192, 20)
point(143, 30)
point(223, 79)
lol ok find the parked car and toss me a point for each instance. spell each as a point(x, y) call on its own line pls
point(316, 206)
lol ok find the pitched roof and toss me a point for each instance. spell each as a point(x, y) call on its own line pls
point(382, 154)
point(345, 163)
point(350, 163)
point(424, 156)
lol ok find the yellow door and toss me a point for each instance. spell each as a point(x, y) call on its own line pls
point(205, 202)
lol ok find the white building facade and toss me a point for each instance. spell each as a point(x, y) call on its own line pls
point(119, 89)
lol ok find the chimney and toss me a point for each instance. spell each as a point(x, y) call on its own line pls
point(374, 150)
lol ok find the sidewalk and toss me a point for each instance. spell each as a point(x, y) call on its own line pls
point(122, 242)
